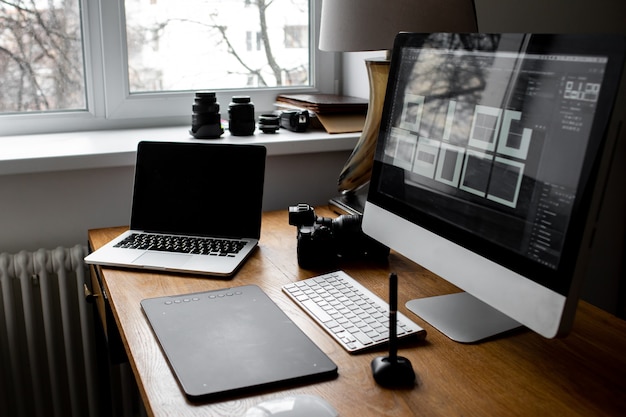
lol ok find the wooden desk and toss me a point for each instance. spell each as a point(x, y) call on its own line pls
point(522, 374)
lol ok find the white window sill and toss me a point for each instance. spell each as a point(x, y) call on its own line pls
point(112, 148)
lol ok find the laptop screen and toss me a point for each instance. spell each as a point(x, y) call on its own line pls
point(199, 189)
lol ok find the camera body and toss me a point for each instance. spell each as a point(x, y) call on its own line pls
point(296, 121)
point(324, 241)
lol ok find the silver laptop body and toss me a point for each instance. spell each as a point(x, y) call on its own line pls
point(186, 192)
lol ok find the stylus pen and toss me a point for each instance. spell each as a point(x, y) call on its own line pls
point(393, 312)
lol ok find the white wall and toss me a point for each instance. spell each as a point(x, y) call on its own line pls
point(53, 209)
point(551, 16)
point(354, 73)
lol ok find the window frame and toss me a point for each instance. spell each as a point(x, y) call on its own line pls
point(111, 106)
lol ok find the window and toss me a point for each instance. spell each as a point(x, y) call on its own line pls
point(154, 54)
point(41, 58)
point(253, 41)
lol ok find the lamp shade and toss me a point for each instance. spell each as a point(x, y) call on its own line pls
point(371, 25)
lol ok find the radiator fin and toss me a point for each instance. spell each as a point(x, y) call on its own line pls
point(47, 350)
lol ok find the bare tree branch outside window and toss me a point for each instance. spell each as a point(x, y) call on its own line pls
point(206, 44)
point(41, 56)
point(171, 45)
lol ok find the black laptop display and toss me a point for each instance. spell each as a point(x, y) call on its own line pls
point(185, 191)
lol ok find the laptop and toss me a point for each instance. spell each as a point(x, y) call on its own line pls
point(186, 193)
point(233, 341)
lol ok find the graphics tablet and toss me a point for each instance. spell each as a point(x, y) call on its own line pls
point(234, 340)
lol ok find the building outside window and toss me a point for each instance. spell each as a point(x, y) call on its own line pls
point(54, 60)
point(296, 36)
point(253, 41)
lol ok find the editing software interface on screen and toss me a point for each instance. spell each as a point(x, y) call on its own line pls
point(507, 135)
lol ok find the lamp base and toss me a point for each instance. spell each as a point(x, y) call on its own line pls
point(358, 168)
point(351, 202)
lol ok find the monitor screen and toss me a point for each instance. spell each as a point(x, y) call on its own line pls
point(492, 142)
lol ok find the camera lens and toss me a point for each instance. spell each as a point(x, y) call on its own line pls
point(201, 119)
point(206, 121)
point(205, 107)
point(241, 116)
point(269, 123)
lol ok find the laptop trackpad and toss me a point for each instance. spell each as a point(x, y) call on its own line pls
point(163, 260)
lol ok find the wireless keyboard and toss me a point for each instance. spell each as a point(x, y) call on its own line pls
point(353, 315)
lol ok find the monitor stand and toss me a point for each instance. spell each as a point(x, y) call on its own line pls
point(462, 317)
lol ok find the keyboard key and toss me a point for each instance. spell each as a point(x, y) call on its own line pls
point(182, 244)
point(316, 310)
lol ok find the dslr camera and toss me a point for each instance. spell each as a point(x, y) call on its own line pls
point(323, 241)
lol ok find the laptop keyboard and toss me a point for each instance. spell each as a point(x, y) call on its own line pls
point(353, 315)
point(182, 244)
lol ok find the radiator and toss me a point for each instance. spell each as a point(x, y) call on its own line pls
point(47, 348)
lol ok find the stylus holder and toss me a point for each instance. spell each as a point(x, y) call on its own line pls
point(393, 371)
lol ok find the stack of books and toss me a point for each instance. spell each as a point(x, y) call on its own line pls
point(336, 114)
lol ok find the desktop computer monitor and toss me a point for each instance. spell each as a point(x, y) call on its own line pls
point(489, 171)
